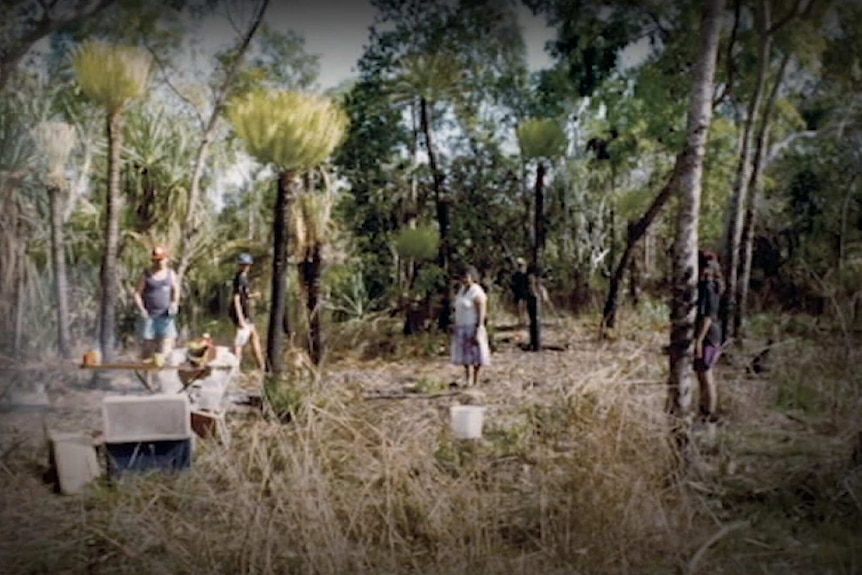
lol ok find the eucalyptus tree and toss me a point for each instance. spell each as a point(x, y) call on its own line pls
point(541, 141)
point(56, 141)
point(112, 76)
point(294, 132)
point(767, 26)
point(25, 22)
point(232, 69)
point(685, 264)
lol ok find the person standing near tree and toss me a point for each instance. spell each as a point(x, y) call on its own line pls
point(469, 338)
point(158, 300)
point(520, 289)
point(240, 311)
point(707, 343)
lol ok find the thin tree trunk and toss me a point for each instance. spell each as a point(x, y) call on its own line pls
point(739, 199)
point(313, 305)
point(288, 182)
point(684, 280)
point(222, 95)
point(20, 280)
point(756, 185)
point(534, 306)
point(636, 232)
point(61, 281)
point(109, 279)
point(442, 202)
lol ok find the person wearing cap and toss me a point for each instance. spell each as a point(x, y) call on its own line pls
point(158, 299)
point(240, 311)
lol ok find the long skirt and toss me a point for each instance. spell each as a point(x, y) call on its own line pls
point(467, 352)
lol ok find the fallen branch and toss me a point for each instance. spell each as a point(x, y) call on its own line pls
point(403, 395)
point(719, 535)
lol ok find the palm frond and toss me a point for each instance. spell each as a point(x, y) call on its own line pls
point(111, 75)
point(541, 138)
point(291, 130)
point(56, 140)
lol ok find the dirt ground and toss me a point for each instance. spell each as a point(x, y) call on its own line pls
point(781, 486)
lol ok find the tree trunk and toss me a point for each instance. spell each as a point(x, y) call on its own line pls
point(109, 279)
point(636, 232)
point(12, 51)
point(442, 202)
point(684, 290)
point(534, 305)
point(738, 203)
point(224, 91)
point(314, 275)
point(61, 281)
point(756, 185)
point(288, 182)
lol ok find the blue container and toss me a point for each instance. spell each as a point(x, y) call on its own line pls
point(143, 456)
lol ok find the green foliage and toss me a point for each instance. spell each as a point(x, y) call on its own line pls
point(420, 243)
point(111, 75)
point(542, 139)
point(291, 130)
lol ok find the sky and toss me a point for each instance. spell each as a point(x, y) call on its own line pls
point(337, 30)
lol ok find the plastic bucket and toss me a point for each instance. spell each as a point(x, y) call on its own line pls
point(467, 421)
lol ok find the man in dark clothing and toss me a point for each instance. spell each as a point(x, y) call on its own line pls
point(240, 311)
point(520, 289)
point(707, 343)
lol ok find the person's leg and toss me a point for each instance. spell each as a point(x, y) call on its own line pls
point(467, 375)
point(258, 351)
point(476, 374)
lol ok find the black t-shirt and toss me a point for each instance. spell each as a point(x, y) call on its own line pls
point(520, 285)
point(708, 301)
point(243, 289)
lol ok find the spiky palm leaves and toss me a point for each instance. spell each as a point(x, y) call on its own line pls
point(56, 141)
point(295, 132)
point(112, 76)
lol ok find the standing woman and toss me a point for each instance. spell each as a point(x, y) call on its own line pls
point(158, 299)
point(470, 338)
point(707, 342)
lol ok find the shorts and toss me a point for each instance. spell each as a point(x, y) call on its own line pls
point(242, 335)
point(162, 327)
point(711, 353)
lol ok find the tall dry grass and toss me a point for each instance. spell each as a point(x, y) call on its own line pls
point(574, 480)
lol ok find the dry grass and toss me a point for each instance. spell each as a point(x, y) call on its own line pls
point(573, 476)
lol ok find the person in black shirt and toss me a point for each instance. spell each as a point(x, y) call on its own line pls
point(707, 343)
point(520, 289)
point(240, 311)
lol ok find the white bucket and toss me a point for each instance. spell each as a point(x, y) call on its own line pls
point(467, 421)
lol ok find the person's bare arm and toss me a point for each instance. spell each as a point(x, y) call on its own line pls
point(138, 296)
point(698, 341)
point(481, 301)
point(176, 283)
point(238, 309)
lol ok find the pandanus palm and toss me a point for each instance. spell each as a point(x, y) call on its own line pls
point(56, 140)
point(540, 141)
point(111, 76)
point(294, 132)
point(311, 226)
point(425, 80)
